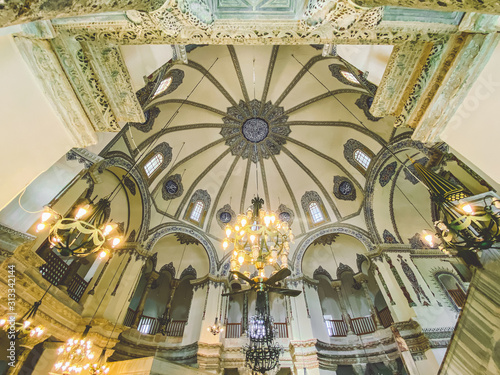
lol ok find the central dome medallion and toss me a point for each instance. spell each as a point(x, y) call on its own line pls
point(255, 130)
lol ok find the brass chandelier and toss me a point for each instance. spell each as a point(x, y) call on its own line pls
point(258, 238)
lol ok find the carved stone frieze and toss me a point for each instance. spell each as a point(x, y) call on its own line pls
point(10, 239)
point(166, 27)
point(483, 6)
point(342, 14)
point(112, 73)
point(84, 156)
point(81, 74)
point(44, 64)
point(449, 95)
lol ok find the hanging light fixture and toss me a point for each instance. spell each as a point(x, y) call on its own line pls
point(24, 329)
point(258, 238)
point(75, 355)
point(464, 228)
point(100, 367)
point(262, 352)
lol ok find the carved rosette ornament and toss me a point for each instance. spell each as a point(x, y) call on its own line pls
point(341, 14)
point(255, 129)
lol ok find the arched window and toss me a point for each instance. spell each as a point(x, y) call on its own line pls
point(362, 158)
point(153, 164)
point(155, 161)
point(163, 86)
point(316, 214)
point(453, 289)
point(349, 76)
point(197, 210)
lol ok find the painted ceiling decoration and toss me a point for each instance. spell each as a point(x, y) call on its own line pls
point(255, 130)
point(172, 187)
point(275, 131)
point(186, 239)
point(365, 102)
point(343, 188)
point(387, 173)
point(327, 239)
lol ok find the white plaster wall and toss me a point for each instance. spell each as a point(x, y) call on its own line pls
point(371, 58)
point(473, 130)
point(141, 61)
point(33, 137)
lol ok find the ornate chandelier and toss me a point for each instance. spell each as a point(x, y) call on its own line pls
point(216, 328)
point(87, 232)
point(262, 353)
point(24, 329)
point(464, 227)
point(258, 238)
point(74, 356)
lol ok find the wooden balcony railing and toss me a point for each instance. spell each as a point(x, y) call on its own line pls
point(281, 330)
point(55, 270)
point(458, 296)
point(363, 325)
point(233, 330)
point(150, 326)
point(336, 328)
point(385, 317)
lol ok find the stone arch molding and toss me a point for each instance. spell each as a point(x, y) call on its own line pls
point(167, 229)
point(341, 229)
point(117, 161)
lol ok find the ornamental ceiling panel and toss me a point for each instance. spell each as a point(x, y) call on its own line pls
point(248, 120)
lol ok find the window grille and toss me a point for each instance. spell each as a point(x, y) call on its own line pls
point(316, 214)
point(153, 164)
point(363, 159)
point(196, 212)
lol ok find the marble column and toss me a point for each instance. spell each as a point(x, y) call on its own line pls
point(343, 309)
point(483, 6)
point(373, 311)
point(152, 276)
point(165, 318)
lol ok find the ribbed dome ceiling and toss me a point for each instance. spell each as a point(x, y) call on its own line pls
point(286, 108)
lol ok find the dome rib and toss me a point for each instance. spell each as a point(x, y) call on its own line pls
point(269, 75)
point(239, 74)
point(290, 192)
point(321, 97)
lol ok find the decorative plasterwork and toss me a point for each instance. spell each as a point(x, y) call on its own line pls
point(186, 239)
point(341, 14)
point(343, 268)
point(161, 231)
point(197, 12)
point(308, 240)
point(225, 216)
point(85, 83)
point(171, 187)
point(449, 95)
point(254, 129)
point(285, 214)
point(189, 271)
point(337, 70)
point(150, 115)
point(83, 156)
point(484, 6)
point(164, 27)
point(129, 183)
point(168, 268)
point(364, 103)
point(343, 188)
point(320, 271)
point(387, 173)
point(10, 239)
point(44, 64)
point(112, 73)
point(327, 239)
point(388, 237)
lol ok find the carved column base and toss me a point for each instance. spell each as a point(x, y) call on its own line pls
point(209, 356)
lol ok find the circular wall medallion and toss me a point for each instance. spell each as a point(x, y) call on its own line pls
point(225, 217)
point(285, 216)
point(255, 129)
point(171, 187)
point(345, 188)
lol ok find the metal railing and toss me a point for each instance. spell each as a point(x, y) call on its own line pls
point(336, 328)
point(281, 330)
point(233, 330)
point(77, 287)
point(150, 326)
point(363, 325)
